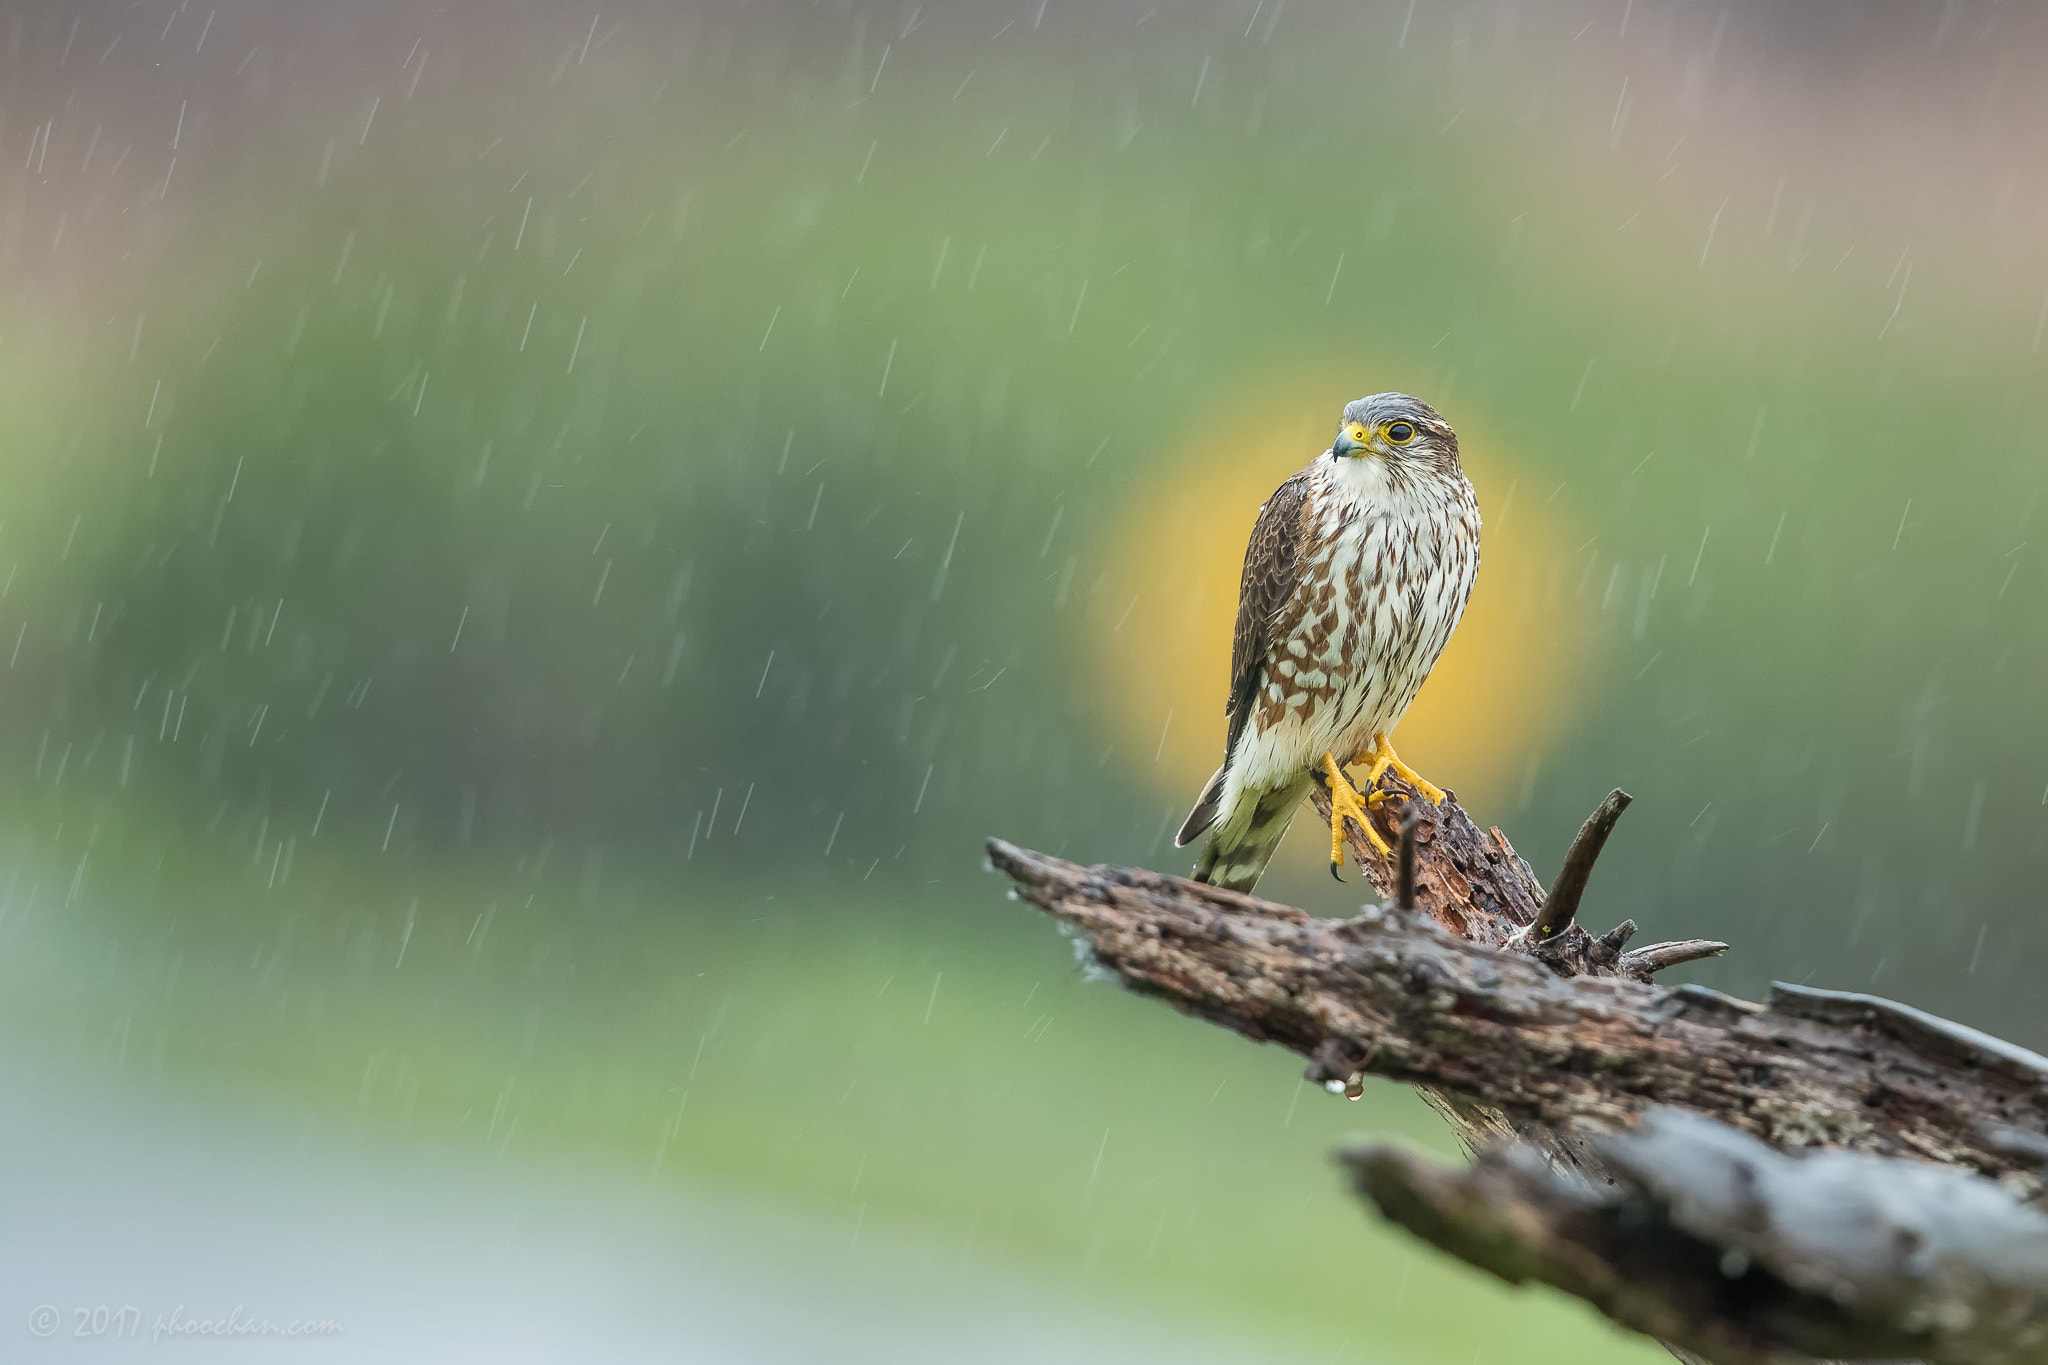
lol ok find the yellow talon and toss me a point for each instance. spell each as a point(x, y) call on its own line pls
point(1345, 802)
point(1385, 759)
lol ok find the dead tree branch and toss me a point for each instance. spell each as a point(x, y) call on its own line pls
point(1475, 885)
point(1714, 1243)
point(1394, 995)
point(1552, 1042)
point(1561, 907)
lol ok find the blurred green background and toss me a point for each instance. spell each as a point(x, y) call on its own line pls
point(538, 542)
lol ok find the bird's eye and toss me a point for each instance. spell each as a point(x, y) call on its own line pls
point(1400, 433)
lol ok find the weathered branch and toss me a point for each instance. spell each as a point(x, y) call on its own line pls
point(1713, 1242)
point(1475, 885)
point(1548, 1040)
point(1404, 882)
point(1470, 882)
point(1561, 907)
point(1394, 995)
point(1655, 958)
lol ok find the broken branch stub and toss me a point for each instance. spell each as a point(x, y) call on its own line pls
point(1561, 907)
point(1474, 884)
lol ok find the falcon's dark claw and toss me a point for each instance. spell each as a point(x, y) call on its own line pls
point(1333, 873)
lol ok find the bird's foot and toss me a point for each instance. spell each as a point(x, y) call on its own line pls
point(1347, 803)
point(1386, 760)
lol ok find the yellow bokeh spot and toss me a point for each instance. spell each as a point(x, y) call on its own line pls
point(1160, 618)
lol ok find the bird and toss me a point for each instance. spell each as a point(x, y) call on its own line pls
point(1357, 571)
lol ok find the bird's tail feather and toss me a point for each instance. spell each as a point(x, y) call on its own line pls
point(1238, 851)
point(1204, 814)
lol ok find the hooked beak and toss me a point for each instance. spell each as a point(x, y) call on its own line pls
point(1351, 440)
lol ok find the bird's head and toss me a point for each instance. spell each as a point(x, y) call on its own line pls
point(1405, 432)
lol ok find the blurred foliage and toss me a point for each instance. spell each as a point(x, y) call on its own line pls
point(922, 1070)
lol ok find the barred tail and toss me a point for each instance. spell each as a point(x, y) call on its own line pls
point(1245, 839)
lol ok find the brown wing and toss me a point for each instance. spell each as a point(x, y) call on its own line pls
point(1272, 568)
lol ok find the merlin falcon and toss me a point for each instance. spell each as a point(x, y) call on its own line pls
point(1357, 572)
